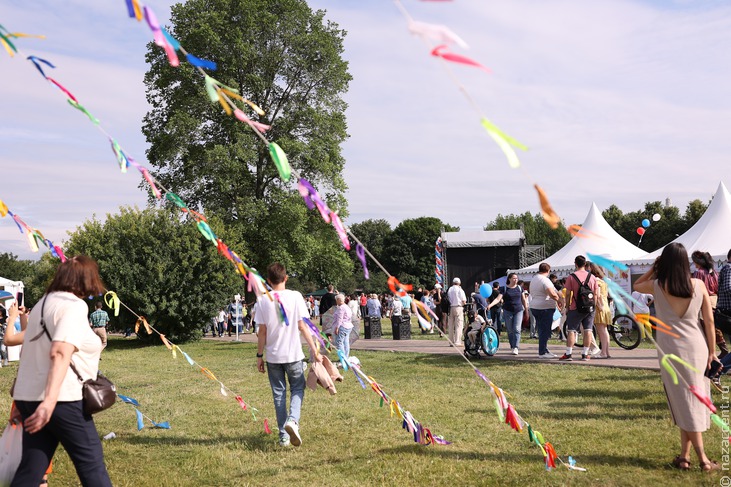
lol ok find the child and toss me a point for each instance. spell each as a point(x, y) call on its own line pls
point(475, 327)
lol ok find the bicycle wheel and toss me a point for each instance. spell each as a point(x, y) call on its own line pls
point(490, 341)
point(626, 332)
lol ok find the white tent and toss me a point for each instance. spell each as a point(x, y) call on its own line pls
point(711, 233)
point(603, 240)
point(13, 287)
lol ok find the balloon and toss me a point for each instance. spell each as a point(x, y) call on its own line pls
point(645, 223)
point(485, 291)
point(656, 217)
point(640, 231)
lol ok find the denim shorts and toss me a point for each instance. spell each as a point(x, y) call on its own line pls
point(574, 320)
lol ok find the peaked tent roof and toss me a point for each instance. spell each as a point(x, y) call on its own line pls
point(712, 232)
point(604, 241)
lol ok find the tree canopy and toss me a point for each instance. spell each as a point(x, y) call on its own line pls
point(288, 60)
point(161, 267)
point(535, 228)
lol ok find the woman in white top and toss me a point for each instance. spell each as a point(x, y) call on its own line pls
point(47, 392)
point(342, 324)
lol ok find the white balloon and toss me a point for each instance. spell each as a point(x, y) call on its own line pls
point(656, 217)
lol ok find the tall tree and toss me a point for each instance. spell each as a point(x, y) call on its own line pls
point(287, 59)
point(409, 251)
point(35, 275)
point(161, 267)
point(535, 228)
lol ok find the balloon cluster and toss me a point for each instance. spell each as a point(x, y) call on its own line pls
point(645, 224)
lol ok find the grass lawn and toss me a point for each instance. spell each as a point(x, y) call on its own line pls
point(615, 423)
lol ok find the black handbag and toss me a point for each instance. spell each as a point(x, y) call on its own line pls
point(97, 394)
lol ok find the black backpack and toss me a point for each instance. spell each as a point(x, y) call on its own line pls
point(585, 297)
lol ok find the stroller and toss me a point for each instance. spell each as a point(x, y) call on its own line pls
point(486, 338)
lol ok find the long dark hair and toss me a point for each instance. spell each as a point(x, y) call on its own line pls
point(79, 276)
point(673, 271)
point(703, 260)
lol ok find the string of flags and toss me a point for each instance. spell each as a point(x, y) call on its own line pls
point(307, 191)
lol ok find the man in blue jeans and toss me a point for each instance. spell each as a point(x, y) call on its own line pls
point(280, 320)
point(544, 300)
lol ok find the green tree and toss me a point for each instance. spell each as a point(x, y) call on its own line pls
point(374, 234)
point(161, 267)
point(535, 228)
point(288, 60)
point(36, 275)
point(409, 251)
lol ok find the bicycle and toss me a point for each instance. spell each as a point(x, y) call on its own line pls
point(624, 330)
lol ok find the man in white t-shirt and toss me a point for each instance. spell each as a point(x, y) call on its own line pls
point(457, 300)
point(281, 324)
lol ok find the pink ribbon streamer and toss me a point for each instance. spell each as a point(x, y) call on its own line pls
point(360, 252)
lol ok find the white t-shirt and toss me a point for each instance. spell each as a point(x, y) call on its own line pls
point(643, 299)
point(456, 296)
point(283, 345)
point(66, 320)
point(221, 316)
point(539, 292)
point(396, 307)
point(477, 324)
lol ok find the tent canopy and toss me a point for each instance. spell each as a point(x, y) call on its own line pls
point(603, 241)
point(711, 233)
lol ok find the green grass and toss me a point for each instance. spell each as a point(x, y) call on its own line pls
point(613, 422)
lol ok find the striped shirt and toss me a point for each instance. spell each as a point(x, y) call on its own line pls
point(99, 318)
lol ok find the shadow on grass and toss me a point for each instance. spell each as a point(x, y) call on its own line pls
point(586, 460)
point(257, 442)
point(599, 393)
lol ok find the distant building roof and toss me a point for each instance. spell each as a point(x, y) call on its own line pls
point(482, 238)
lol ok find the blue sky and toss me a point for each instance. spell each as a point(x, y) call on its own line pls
point(620, 101)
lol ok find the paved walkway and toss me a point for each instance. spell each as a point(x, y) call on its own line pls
point(639, 358)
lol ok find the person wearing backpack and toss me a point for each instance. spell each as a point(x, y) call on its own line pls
point(581, 291)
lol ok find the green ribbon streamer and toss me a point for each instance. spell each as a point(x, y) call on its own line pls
point(175, 199)
point(280, 160)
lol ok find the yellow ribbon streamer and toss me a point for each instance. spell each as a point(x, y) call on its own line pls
point(112, 301)
point(3, 209)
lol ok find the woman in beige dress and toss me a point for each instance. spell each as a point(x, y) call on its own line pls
point(679, 302)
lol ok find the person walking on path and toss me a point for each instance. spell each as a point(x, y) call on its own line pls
point(280, 327)
point(342, 325)
point(99, 319)
point(514, 304)
point(679, 300)
point(581, 294)
point(457, 300)
point(544, 301)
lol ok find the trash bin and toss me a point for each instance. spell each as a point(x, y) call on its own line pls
point(372, 327)
point(401, 327)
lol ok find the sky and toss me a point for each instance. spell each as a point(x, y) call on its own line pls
point(619, 101)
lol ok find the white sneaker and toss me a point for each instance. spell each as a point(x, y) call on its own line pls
point(515, 351)
point(284, 442)
point(594, 350)
point(548, 355)
point(294, 432)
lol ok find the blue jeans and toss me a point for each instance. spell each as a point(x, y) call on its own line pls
point(296, 375)
point(513, 323)
point(344, 341)
point(544, 320)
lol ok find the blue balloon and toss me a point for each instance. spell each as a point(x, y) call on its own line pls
point(485, 291)
point(645, 223)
